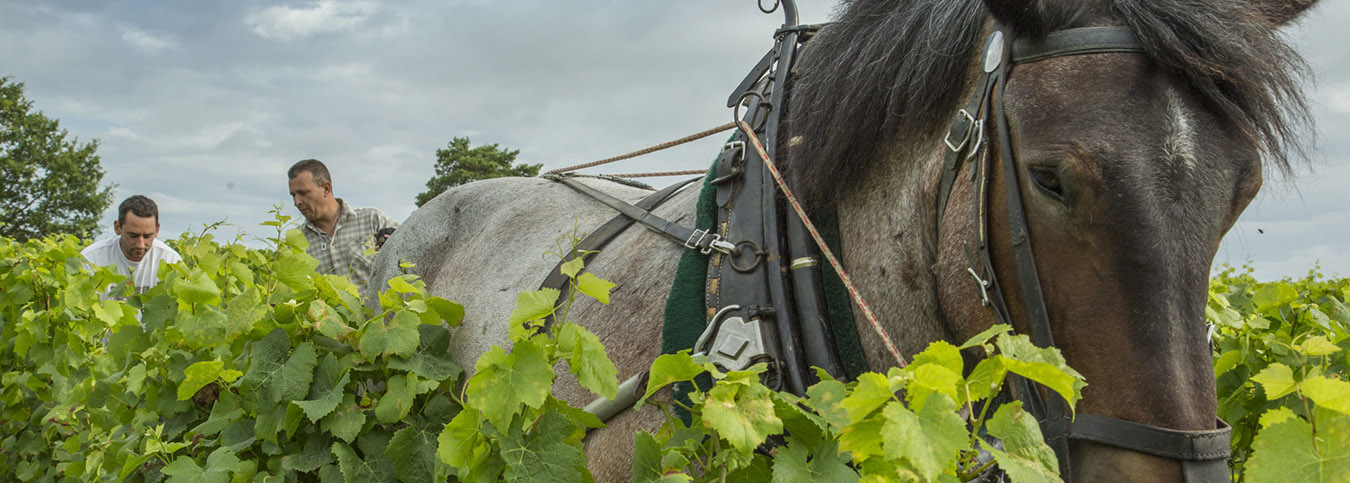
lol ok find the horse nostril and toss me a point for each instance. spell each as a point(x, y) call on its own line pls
point(1047, 180)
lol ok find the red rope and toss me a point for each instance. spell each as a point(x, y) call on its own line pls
point(640, 152)
point(825, 249)
point(660, 173)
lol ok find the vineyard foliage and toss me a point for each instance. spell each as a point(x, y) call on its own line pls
point(245, 365)
point(1282, 354)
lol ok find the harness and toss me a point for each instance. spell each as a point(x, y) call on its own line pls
point(765, 302)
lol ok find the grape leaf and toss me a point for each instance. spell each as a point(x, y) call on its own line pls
point(549, 452)
point(586, 358)
point(503, 383)
point(1025, 456)
point(198, 375)
point(1333, 394)
point(432, 359)
point(873, 390)
point(397, 338)
point(325, 391)
point(461, 444)
point(796, 463)
point(598, 288)
point(1287, 451)
point(397, 400)
point(346, 421)
point(413, 452)
point(741, 411)
point(295, 269)
point(668, 369)
point(1277, 379)
point(930, 440)
point(534, 305)
point(198, 288)
point(451, 313)
point(1041, 364)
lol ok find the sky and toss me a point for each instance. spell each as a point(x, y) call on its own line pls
point(203, 105)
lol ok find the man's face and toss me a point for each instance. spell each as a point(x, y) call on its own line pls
point(137, 234)
point(307, 195)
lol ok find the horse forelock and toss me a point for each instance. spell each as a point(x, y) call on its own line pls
point(893, 70)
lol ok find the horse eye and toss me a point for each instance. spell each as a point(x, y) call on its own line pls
point(1048, 181)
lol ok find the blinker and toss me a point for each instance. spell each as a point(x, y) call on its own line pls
point(993, 52)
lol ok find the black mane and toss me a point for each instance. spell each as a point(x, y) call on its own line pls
point(896, 69)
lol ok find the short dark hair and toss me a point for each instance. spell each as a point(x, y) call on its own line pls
point(315, 168)
point(141, 206)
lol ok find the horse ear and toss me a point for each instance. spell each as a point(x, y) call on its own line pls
point(1280, 12)
point(1035, 18)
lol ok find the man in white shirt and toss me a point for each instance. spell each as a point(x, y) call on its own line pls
point(134, 252)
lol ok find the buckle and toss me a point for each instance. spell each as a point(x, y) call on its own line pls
point(970, 127)
point(738, 147)
point(715, 242)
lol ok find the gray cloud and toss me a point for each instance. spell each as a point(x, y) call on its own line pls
point(203, 105)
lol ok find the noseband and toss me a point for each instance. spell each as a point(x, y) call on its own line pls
point(1203, 453)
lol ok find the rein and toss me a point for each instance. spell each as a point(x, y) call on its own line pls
point(1203, 453)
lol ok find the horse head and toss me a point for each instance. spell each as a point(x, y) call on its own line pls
point(1128, 166)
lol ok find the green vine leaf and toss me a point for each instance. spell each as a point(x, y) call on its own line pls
point(503, 383)
point(397, 338)
point(588, 361)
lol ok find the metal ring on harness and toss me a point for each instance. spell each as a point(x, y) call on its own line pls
point(754, 249)
point(772, 9)
point(757, 122)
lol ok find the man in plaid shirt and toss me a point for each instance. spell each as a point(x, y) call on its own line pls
point(338, 233)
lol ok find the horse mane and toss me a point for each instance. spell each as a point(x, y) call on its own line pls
point(896, 69)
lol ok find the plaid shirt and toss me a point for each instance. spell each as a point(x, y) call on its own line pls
point(344, 252)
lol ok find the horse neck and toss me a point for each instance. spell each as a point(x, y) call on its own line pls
point(887, 231)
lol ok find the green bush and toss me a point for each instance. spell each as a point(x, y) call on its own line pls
point(245, 365)
point(1281, 365)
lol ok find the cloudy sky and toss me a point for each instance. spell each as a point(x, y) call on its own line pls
point(203, 105)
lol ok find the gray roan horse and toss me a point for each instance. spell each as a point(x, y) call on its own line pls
point(1131, 167)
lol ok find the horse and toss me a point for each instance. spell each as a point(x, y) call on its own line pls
point(1130, 168)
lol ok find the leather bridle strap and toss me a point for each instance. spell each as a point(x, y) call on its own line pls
point(1202, 453)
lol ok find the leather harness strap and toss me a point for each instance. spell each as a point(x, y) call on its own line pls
point(603, 235)
point(692, 239)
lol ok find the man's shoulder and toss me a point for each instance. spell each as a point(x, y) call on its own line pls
point(379, 216)
point(166, 252)
point(98, 252)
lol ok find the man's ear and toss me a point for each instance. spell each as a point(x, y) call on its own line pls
point(328, 188)
point(117, 227)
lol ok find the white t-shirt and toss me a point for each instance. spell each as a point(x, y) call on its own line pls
point(108, 253)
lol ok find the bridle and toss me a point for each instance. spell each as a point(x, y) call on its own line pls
point(1202, 453)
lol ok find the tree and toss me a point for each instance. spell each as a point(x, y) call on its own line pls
point(48, 183)
point(458, 164)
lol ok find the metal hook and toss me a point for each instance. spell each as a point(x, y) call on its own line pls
point(983, 285)
point(772, 9)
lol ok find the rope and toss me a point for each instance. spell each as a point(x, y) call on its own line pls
point(660, 173)
point(834, 262)
point(640, 152)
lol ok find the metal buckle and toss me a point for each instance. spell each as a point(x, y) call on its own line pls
point(715, 243)
point(739, 146)
point(956, 148)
